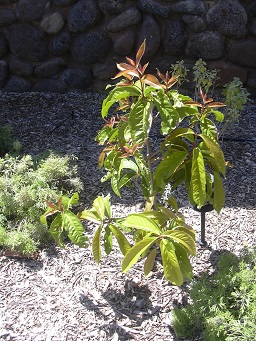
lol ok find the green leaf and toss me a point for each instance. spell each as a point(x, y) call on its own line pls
point(141, 222)
point(96, 245)
point(180, 132)
point(208, 128)
point(184, 239)
point(73, 200)
point(140, 121)
point(121, 239)
point(56, 229)
point(218, 115)
point(150, 261)
point(116, 95)
point(184, 263)
point(99, 206)
point(108, 241)
point(219, 194)
point(198, 178)
point(145, 174)
point(134, 253)
point(128, 164)
point(126, 179)
point(115, 184)
point(172, 271)
point(107, 206)
point(216, 152)
point(167, 167)
point(90, 215)
point(75, 229)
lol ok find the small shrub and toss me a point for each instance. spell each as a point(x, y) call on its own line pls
point(8, 144)
point(25, 185)
point(223, 306)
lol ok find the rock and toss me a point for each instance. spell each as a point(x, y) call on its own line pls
point(29, 10)
point(3, 2)
point(3, 45)
point(52, 23)
point(49, 68)
point(17, 84)
point(77, 78)
point(83, 15)
point(124, 20)
point(28, 42)
point(154, 7)
point(194, 22)
point(124, 42)
point(243, 53)
point(60, 43)
point(111, 6)
point(189, 7)
point(151, 32)
point(106, 70)
point(173, 37)
point(3, 72)
point(64, 2)
point(206, 45)
point(91, 47)
point(50, 85)
point(228, 17)
point(227, 71)
point(7, 16)
point(253, 27)
point(252, 79)
point(252, 9)
point(21, 68)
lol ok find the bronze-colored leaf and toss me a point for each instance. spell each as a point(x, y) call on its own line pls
point(160, 75)
point(196, 104)
point(131, 61)
point(151, 80)
point(172, 81)
point(144, 68)
point(216, 105)
point(140, 53)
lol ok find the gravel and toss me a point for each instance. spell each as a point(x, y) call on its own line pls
point(64, 294)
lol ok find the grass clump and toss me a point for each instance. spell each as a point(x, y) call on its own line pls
point(25, 185)
point(223, 306)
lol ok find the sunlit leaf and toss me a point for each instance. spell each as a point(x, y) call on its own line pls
point(56, 229)
point(142, 222)
point(108, 241)
point(198, 178)
point(99, 206)
point(74, 199)
point(219, 194)
point(140, 53)
point(216, 152)
point(123, 243)
point(75, 229)
point(184, 238)
point(90, 215)
point(150, 261)
point(96, 250)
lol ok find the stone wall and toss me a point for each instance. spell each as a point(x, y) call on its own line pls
point(73, 45)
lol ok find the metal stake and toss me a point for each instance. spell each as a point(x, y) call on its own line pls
point(203, 228)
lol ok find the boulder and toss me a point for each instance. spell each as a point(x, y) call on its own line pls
point(91, 47)
point(227, 71)
point(150, 31)
point(252, 8)
point(77, 78)
point(21, 68)
point(50, 85)
point(3, 45)
point(229, 18)
point(7, 16)
point(253, 27)
point(64, 3)
point(194, 22)
point(84, 14)
point(111, 6)
point(3, 72)
point(124, 42)
point(49, 68)
point(243, 53)
point(252, 79)
point(60, 43)
point(124, 20)
point(17, 84)
point(28, 42)
point(106, 70)
point(29, 10)
point(154, 7)
point(52, 23)
point(189, 7)
point(206, 45)
point(4, 2)
point(173, 37)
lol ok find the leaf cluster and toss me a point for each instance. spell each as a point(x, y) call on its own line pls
point(8, 143)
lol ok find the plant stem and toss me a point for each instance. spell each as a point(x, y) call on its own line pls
point(147, 143)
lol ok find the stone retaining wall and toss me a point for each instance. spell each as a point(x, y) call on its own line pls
point(73, 45)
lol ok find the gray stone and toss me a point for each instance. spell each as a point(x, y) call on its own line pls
point(228, 17)
point(252, 9)
point(21, 68)
point(124, 42)
point(17, 84)
point(206, 45)
point(3, 72)
point(243, 53)
point(29, 10)
point(253, 27)
point(194, 22)
point(124, 20)
point(64, 3)
point(28, 42)
point(111, 6)
point(150, 31)
point(7, 16)
point(3, 2)
point(173, 37)
point(60, 44)
point(189, 7)
point(52, 23)
point(3, 45)
point(50, 85)
point(77, 78)
point(154, 7)
point(106, 70)
point(49, 68)
point(91, 47)
point(83, 15)
point(252, 79)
